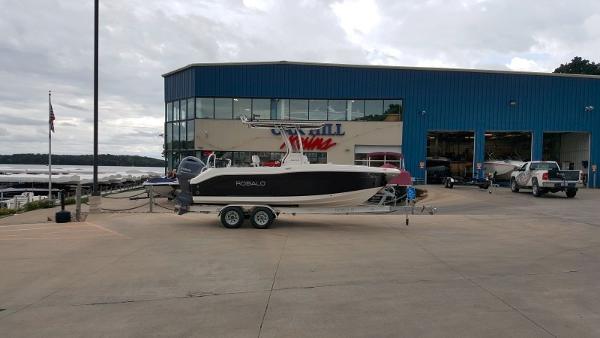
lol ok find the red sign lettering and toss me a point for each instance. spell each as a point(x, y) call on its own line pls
point(311, 143)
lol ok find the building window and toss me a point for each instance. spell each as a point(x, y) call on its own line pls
point(182, 134)
point(190, 134)
point(175, 127)
point(223, 109)
point(183, 110)
point(317, 110)
point(356, 110)
point(280, 109)
point(242, 107)
point(261, 109)
point(336, 110)
point(175, 110)
point(298, 109)
point(393, 110)
point(168, 135)
point(373, 110)
point(190, 109)
point(169, 111)
point(205, 108)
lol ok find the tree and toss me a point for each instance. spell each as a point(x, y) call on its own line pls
point(579, 66)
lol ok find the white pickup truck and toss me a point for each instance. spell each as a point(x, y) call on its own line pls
point(545, 176)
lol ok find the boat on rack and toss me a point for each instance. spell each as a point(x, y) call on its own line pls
point(501, 168)
point(295, 183)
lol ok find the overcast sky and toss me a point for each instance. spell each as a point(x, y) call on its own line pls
point(48, 44)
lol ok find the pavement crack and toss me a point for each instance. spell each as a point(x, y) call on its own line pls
point(272, 286)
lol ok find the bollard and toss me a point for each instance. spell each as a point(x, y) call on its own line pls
point(62, 216)
point(78, 202)
point(151, 198)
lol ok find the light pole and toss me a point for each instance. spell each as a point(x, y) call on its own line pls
point(95, 190)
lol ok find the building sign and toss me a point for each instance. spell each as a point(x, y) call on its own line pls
point(422, 164)
point(594, 167)
point(479, 165)
point(328, 129)
point(310, 143)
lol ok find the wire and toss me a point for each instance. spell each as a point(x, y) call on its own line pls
point(126, 209)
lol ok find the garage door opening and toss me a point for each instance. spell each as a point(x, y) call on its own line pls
point(505, 151)
point(449, 154)
point(570, 150)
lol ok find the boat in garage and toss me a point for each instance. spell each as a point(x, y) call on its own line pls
point(295, 183)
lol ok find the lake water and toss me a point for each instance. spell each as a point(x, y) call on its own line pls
point(85, 168)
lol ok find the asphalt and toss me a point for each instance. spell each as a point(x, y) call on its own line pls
point(487, 265)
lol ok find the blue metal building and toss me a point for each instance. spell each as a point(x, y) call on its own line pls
point(433, 99)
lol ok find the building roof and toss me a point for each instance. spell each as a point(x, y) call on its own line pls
point(318, 64)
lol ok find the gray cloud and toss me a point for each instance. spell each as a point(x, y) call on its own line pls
point(48, 45)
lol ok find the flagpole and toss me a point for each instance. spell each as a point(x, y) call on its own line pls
point(49, 148)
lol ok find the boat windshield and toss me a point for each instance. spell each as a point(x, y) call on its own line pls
point(544, 166)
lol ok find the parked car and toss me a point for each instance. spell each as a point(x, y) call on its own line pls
point(545, 176)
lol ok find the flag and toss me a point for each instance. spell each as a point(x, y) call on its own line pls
point(52, 118)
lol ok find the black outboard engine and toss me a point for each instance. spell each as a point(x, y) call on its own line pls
point(189, 168)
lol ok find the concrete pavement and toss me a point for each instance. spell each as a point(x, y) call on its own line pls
point(490, 265)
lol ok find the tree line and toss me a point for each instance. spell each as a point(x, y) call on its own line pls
point(103, 159)
point(579, 65)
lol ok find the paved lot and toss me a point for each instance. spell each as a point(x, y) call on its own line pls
point(488, 265)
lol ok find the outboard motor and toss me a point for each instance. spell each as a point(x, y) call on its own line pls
point(189, 168)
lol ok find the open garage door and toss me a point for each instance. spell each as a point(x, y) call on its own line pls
point(505, 151)
point(570, 150)
point(449, 154)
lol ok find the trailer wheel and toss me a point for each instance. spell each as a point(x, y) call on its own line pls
point(232, 217)
point(262, 218)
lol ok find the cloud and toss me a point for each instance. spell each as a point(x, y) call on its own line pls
point(47, 45)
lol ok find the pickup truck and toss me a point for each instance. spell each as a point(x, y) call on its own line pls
point(545, 176)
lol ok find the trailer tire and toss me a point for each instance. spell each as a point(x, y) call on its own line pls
point(262, 218)
point(232, 217)
point(571, 193)
point(514, 186)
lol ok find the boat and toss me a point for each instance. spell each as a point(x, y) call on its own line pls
point(295, 183)
point(501, 167)
point(161, 186)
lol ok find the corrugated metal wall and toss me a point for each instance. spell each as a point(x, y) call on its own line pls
point(433, 99)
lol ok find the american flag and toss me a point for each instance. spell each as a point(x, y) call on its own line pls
point(52, 118)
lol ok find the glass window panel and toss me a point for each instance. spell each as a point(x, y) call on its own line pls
point(336, 110)
point(317, 110)
point(298, 109)
point(280, 109)
point(223, 109)
point(242, 107)
point(169, 111)
point(356, 110)
point(205, 108)
point(175, 110)
point(261, 109)
point(168, 135)
point(190, 109)
point(175, 142)
point(182, 134)
point(373, 110)
point(393, 110)
point(183, 110)
point(190, 134)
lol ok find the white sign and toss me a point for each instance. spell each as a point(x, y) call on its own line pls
point(422, 165)
point(594, 168)
point(479, 165)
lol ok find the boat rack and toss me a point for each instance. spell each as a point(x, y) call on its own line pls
point(262, 216)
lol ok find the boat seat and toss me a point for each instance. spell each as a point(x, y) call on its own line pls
point(255, 161)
